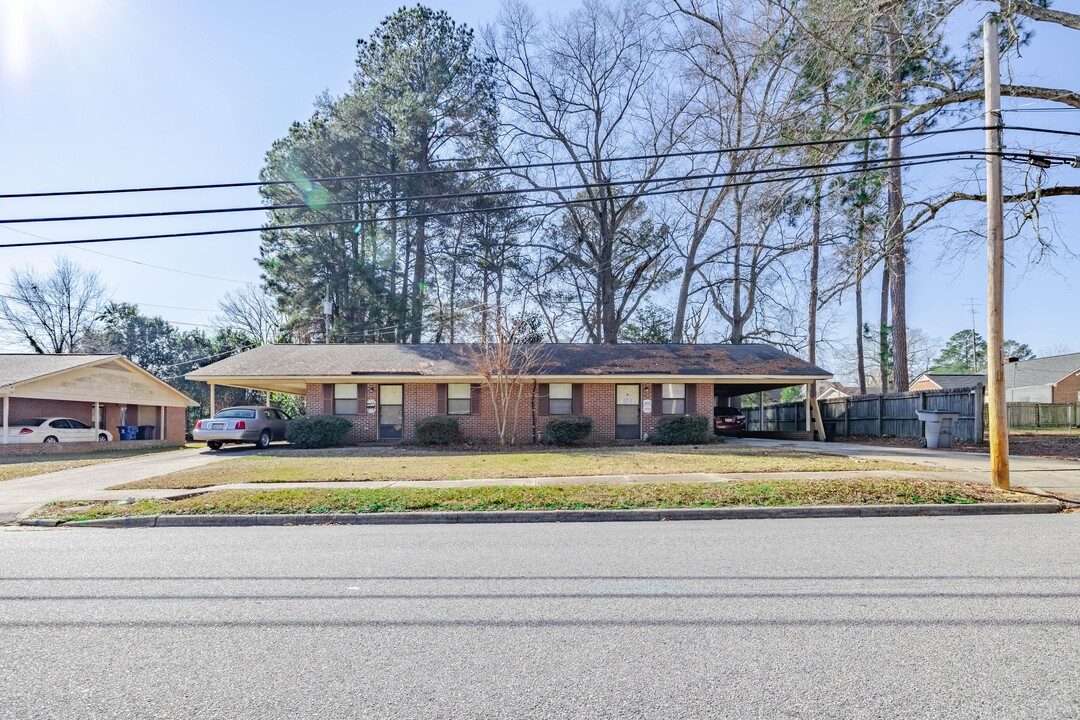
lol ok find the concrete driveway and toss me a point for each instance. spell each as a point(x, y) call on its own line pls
point(89, 482)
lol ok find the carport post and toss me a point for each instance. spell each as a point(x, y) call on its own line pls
point(7, 400)
point(806, 405)
point(213, 404)
point(267, 398)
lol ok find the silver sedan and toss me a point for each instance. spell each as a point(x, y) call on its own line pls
point(244, 424)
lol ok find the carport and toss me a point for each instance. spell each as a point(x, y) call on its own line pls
point(103, 391)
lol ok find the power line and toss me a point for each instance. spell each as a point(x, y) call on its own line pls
point(129, 260)
point(490, 168)
point(474, 194)
point(466, 211)
point(470, 211)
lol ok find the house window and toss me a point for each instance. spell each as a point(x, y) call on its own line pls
point(674, 400)
point(458, 399)
point(345, 399)
point(561, 399)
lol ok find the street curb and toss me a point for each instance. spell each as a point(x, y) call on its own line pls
point(539, 516)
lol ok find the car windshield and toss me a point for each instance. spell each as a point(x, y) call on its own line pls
point(235, 413)
point(32, 422)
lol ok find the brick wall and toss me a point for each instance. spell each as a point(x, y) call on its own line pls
point(1066, 390)
point(421, 401)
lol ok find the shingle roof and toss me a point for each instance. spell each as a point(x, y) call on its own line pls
point(17, 368)
point(448, 360)
point(1041, 371)
point(956, 381)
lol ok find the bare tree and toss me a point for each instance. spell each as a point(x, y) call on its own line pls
point(253, 312)
point(505, 358)
point(581, 90)
point(52, 312)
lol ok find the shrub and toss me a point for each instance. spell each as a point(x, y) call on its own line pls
point(438, 431)
point(682, 430)
point(568, 431)
point(317, 431)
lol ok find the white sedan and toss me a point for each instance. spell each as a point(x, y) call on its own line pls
point(54, 430)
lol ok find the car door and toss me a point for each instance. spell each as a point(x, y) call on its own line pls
point(81, 432)
point(59, 429)
point(277, 424)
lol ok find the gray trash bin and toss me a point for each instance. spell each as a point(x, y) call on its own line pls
point(939, 428)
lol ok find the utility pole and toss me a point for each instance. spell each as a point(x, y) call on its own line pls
point(995, 252)
point(971, 302)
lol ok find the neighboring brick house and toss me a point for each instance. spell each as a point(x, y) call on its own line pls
point(1054, 379)
point(102, 391)
point(947, 381)
point(626, 389)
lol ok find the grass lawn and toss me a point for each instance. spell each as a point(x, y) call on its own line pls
point(412, 464)
point(856, 491)
point(20, 466)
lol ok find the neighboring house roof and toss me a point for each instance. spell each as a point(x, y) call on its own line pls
point(836, 389)
point(1041, 371)
point(954, 381)
point(555, 359)
point(17, 368)
point(91, 378)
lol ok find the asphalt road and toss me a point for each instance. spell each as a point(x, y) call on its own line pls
point(846, 618)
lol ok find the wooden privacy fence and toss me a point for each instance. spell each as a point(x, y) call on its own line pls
point(1044, 415)
point(893, 414)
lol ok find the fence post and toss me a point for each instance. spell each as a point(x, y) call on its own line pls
point(847, 417)
point(978, 412)
point(881, 416)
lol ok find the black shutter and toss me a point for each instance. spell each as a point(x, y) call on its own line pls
point(440, 391)
point(577, 402)
point(474, 395)
point(691, 399)
point(544, 407)
point(657, 399)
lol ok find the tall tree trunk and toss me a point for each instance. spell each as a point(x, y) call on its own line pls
point(897, 253)
point(883, 328)
point(815, 261)
point(860, 349)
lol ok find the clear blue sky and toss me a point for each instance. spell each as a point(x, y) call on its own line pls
point(105, 93)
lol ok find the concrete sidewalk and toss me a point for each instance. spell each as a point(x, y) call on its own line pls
point(23, 494)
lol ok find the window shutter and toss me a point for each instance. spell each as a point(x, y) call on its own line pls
point(691, 399)
point(328, 399)
point(657, 399)
point(544, 407)
point(474, 408)
point(440, 391)
point(577, 399)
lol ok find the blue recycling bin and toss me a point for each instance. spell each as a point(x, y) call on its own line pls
point(128, 432)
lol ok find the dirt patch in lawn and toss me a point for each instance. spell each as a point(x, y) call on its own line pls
point(766, 493)
point(408, 464)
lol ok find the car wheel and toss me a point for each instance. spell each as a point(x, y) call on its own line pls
point(214, 445)
point(264, 440)
point(52, 439)
point(103, 438)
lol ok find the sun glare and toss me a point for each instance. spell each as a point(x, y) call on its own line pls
point(33, 29)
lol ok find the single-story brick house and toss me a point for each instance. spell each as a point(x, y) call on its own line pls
point(947, 381)
point(1053, 379)
point(385, 388)
point(103, 391)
